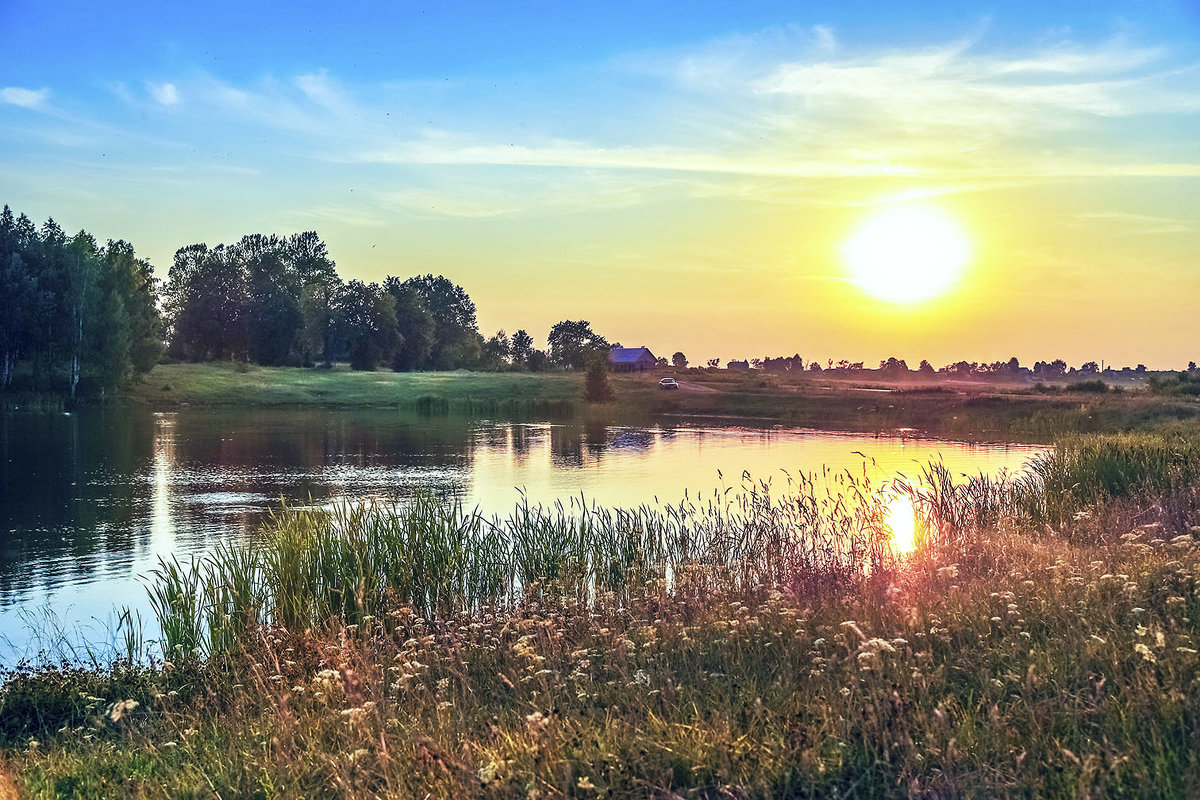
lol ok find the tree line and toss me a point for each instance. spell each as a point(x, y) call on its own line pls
point(898, 367)
point(78, 317)
point(74, 315)
point(274, 300)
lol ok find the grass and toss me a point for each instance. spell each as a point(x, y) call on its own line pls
point(1041, 642)
point(222, 384)
point(957, 410)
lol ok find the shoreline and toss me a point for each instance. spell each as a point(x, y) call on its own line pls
point(948, 409)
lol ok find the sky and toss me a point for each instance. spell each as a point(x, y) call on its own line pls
point(684, 175)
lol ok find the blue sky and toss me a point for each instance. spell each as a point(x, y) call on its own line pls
point(549, 156)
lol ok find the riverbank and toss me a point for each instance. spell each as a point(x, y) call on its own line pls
point(950, 409)
point(1042, 643)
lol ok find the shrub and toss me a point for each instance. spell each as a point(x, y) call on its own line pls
point(597, 388)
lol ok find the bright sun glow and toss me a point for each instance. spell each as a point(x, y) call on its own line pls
point(907, 253)
point(901, 519)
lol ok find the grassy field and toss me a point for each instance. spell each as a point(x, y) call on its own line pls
point(168, 385)
point(952, 409)
point(1041, 641)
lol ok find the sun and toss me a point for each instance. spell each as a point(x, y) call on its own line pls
point(906, 254)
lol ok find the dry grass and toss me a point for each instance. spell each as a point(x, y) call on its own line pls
point(1019, 653)
point(8, 788)
point(1023, 667)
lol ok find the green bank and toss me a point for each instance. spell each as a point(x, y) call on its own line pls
point(949, 408)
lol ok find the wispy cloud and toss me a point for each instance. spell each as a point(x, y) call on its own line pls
point(166, 94)
point(25, 98)
point(1133, 224)
point(754, 116)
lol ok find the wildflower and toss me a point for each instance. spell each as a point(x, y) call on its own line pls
point(642, 677)
point(585, 783)
point(536, 723)
point(1145, 652)
point(121, 708)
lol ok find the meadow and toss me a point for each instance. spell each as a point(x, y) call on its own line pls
point(1039, 640)
point(948, 408)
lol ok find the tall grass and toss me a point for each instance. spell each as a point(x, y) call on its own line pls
point(763, 642)
point(351, 563)
point(1082, 472)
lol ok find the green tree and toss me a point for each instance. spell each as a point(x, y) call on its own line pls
point(206, 298)
point(520, 347)
point(456, 340)
point(679, 360)
point(573, 342)
point(132, 280)
point(597, 387)
point(366, 322)
point(273, 317)
point(497, 351)
point(319, 285)
point(415, 325)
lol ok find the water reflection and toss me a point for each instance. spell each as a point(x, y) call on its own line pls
point(900, 518)
point(89, 501)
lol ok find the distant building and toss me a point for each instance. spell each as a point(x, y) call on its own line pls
point(738, 365)
point(631, 359)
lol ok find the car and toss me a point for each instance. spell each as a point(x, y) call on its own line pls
point(668, 383)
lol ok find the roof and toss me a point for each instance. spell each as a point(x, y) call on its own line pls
point(630, 355)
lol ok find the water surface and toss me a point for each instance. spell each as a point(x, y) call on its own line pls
point(89, 501)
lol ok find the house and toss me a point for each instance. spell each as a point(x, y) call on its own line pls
point(738, 365)
point(631, 359)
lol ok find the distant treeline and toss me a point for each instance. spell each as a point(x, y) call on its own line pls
point(898, 368)
point(275, 300)
point(72, 313)
point(79, 318)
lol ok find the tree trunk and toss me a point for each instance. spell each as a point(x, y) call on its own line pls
point(77, 349)
point(327, 345)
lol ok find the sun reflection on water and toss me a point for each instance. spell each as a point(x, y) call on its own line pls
point(900, 517)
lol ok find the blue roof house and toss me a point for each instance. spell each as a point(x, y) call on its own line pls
point(631, 359)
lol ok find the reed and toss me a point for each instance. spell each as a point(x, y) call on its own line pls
point(765, 641)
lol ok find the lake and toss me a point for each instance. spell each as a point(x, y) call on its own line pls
point(89, 501)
